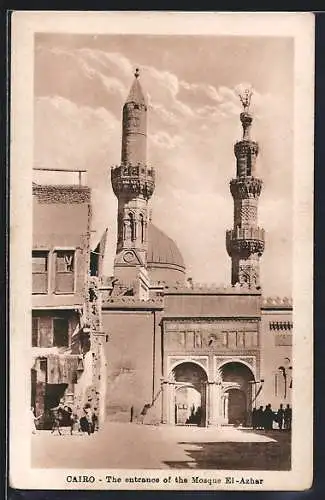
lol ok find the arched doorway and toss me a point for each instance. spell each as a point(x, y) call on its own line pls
point(190, 394)
point(237, 381)
point(237, 406)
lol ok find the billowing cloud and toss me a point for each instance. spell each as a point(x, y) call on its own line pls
point(192, 128)
point(163, 140)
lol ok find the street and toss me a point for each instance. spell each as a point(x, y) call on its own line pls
point(135, 446)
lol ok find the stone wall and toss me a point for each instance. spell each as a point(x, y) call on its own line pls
point(276, 352)
point(194, 304)
point(133, 362)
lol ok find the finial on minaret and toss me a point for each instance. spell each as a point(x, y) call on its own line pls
point(245, 98)
point(245, 117)
point(137, 73)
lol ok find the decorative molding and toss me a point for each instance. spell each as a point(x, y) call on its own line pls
point(62, 194)
point(128, 257)
point(173, 361)
point(133, 180)
point(126, 302)
point(194, 320)
point(249, 361)
point(245, 241)
point(210, 289)
point(247, 187)
point(244, 148)
point(274, 302)
point(280, 325)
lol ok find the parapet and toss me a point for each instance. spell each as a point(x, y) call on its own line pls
point(109, 302)
point(61, 193)
point(205, 288)
point(277, 303)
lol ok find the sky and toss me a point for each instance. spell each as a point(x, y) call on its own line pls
point(191, 84)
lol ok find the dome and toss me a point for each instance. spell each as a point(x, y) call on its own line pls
point(165, 261)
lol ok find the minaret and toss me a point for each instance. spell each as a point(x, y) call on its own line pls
point(245, 242)
point(133, 183)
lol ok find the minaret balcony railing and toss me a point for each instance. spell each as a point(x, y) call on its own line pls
point(246, 147)
point(133, 180)
point(245, 241)
point(246, 187)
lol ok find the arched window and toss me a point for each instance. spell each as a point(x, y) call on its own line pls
point(132, 224)
point(282, 382)
point(142, 228)
point(127, 228)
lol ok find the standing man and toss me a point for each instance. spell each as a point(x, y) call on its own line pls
point(34, 419)
point(268, 418)
point(254, 418)
point(280, 417)
point(260, 418)
point(89, 422)
point(57, 415)
point(287, 418)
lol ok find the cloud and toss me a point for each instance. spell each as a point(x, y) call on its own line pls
point(108, 60)
point(192, 127)
point(202, 90)
point(163, 140)
point(72, 136)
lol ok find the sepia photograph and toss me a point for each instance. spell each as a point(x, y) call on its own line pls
point(161, 248)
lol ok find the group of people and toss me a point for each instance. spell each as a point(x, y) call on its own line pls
point(63, 416)
point(195, 416)
point(263, 418)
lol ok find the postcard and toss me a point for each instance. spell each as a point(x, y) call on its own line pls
point(161, 250)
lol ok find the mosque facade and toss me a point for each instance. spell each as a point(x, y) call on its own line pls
point(149, 342)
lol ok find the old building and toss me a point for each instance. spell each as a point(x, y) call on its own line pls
point(64, 315)
point(174, 351)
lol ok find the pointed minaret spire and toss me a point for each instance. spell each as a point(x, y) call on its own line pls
point(133, 182)
point(136, 94)
point(134, 127)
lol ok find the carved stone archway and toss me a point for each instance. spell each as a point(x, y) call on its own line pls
point(185, 374)
point(236, 379)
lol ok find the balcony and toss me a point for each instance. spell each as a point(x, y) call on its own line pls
point(245, 241)
point(133, 180)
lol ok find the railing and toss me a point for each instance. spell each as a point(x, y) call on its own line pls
point(132, 171)
point(62, 170)
point(250, 233)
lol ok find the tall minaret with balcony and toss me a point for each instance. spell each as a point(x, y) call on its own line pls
point(245, 242)
point(133, 183)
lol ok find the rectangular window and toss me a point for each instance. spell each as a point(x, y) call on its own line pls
point(40, 270)
point(65, 267)
point(60, 332)
point(35, 331)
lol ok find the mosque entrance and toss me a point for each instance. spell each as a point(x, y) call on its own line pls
point(237, 381)
point(190, 394)
point(236, 406)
